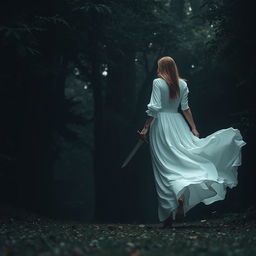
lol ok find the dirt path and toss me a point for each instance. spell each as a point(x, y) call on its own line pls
point(233, 234)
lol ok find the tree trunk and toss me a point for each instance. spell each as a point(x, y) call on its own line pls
point(178, 7)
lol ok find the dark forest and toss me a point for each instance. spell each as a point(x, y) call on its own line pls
point(75, 80)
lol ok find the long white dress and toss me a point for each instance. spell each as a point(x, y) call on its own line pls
point(198, 168)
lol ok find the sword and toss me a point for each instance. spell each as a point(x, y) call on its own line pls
point(135, 149)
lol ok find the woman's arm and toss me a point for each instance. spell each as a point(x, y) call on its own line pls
point(148, 122)
point(188, 114)
point(153, 107)
point(143, 133)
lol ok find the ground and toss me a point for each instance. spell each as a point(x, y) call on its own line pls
point(227, 234)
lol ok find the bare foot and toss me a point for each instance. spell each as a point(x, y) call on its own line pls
point(180, 211)
point(167, 223)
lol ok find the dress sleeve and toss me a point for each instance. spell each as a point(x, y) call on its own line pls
point(184, 99)
point(154, 105)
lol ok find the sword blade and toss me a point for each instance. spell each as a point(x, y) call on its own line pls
point(129, 157)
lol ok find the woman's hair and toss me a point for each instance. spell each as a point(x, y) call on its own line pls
point(168, 71)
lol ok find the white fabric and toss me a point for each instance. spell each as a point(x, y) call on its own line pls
point(199, 168)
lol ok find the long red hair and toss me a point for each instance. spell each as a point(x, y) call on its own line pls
point(167, 70)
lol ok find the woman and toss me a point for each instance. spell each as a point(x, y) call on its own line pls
point(187, 169)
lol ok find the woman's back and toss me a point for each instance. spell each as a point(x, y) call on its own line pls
point(168, 104)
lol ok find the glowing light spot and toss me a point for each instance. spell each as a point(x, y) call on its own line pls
point(192, 66)
point(85, 87)
point(76, 72)
point(104, 73)
point(150, 45)
point(189, 10)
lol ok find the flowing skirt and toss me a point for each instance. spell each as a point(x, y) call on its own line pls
point(198, 168)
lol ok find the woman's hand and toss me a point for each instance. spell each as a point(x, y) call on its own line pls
point(195, 132)
point(143, 133)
